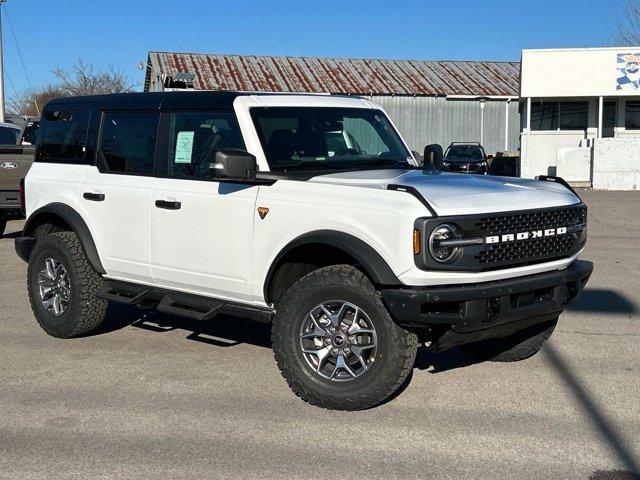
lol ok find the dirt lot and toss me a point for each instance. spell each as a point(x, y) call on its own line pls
point(160, 397)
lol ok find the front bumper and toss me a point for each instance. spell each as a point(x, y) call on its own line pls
point(473, 312)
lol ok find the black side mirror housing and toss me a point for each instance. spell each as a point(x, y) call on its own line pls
point(234, 164)
point(433, 156)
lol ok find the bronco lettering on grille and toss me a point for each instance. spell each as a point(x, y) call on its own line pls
point(513, 237)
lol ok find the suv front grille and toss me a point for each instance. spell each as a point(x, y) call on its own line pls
point(548, 247)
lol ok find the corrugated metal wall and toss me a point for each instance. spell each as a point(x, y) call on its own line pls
point(425, 120)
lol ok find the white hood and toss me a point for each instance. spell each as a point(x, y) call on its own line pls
point(461, 194)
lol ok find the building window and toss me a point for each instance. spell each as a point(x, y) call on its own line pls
point(609, 119)
point(559, 116)
point(632, 116)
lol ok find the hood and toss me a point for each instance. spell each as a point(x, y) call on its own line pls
point(458, 194)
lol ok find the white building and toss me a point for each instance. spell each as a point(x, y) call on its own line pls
point(581, 116)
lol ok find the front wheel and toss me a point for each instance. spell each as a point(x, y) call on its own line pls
point(335, 343)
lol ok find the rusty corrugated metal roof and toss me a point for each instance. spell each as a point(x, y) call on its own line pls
point(339, 75)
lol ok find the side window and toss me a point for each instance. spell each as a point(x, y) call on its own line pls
point(64, 136)
point(8, 136)
point(128, 142)
point(195, 136)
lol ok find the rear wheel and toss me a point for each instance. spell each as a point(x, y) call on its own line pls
point(522, 345)
point(63, 286)
point(335, 343)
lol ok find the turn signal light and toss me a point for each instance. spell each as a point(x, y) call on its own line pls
point(416, 241)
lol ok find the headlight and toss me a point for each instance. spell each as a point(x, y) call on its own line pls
point(437, 243)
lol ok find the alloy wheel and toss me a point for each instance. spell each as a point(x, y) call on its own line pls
point(338, 340)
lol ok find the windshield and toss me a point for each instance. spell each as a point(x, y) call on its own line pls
point(470, 152)
point(331, 138)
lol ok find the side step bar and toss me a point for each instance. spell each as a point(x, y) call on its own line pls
point(194, 307)
point(169, 304)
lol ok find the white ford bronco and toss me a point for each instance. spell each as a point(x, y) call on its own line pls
point(306, 211)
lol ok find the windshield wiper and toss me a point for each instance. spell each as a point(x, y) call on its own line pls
point(375, 162)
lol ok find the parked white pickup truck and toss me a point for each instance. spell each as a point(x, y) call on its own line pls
point(306, 211)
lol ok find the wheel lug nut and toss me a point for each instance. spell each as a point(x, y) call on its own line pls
point(332, 329)
point(327, 341)
point(343, 328)
point(335, 351)
point(352, 339)
point(346, 350)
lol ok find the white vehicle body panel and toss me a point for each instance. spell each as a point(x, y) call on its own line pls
point(459, 194)
point(120, 223)
point(205, 247)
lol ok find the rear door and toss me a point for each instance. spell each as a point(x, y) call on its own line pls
point(117, 191)
point(201, 229)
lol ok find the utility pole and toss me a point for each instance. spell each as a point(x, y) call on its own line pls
point(1, 68)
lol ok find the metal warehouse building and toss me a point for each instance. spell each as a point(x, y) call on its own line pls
point(429, 101)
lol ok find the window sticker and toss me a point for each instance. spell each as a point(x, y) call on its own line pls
point(184, 147)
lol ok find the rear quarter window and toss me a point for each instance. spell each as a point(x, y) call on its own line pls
point(64, 136)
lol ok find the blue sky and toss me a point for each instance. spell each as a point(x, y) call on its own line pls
point(57, 33)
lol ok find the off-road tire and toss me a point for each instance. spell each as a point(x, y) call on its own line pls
point(3, 226)
point(85, 311)
point(394, 358)
point(522, 345)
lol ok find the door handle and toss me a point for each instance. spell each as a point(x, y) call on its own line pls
point(94, 197)
point(168, 204)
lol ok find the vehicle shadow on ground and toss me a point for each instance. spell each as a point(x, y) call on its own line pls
point(222, 331)
point(595, 300)
point(228, 331)
point(436, 362)
point(608, 431)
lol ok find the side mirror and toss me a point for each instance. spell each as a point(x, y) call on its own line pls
point(433, 156)
point(234, 164)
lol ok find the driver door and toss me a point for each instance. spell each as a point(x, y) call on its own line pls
point(201, 229)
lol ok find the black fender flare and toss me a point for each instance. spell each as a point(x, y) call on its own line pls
point(71, 218)
point(370, 260)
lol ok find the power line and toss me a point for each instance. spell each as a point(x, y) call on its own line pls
point(6, 73)
point(13, 34)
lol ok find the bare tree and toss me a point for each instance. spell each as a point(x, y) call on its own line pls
point(629, 24)
point(83, 79)
point(30, 102)
point(80, 79)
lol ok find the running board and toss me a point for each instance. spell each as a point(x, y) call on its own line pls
point(183, 308)
point(187, 305)
point(123, 296)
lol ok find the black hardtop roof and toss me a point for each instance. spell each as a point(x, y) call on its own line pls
point(198, 99)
